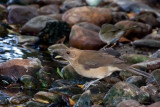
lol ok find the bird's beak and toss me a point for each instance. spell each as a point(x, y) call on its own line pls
point(57, 55)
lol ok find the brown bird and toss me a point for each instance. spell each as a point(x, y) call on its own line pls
point(95, 64)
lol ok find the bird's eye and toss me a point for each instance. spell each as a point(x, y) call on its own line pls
point(68, 52)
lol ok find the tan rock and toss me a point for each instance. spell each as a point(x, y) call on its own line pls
point(93, 15)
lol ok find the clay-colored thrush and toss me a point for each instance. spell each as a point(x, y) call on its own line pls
point(95, 64)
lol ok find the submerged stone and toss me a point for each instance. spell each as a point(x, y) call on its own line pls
point(136, 80)
point(69, 90)
point(19, 98)
point(28, 82)
point(4, 98)
point(84, 100)
point(47, 97)
point(34, 104)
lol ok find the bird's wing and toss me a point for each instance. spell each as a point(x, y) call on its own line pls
point(95, 59)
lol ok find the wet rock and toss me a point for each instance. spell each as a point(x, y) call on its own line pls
point(126, 74)
point(27, 40)
point(54, 32)
point(46, 76)
point(118, 16)
point(99, 91)
point(5, 81)
point(75, 98)
point(152, 36)
point(114, 7)
point(30, 1)
point(19, 98)
point(156, 54)
point(84, 39)
point(34, 104)
point(49, 9)
point(61, 83)
point(104, 85)
point(4, 29)
point(133, 6)
point(93, 2)
point(156, 75)
point(134, 58)
point(19, 2)
point(97, 98)
point(21, 14)
point(96, 105)
point(156, 104)
point(68, 4)
point(148, 65)
point(4, 98)
point(69, 90)
point(89, 26)
point(18, 67)
point(93, 15)
point(36, 6)
point(49, 1)
point(28, 82)
point(12, 7)
point(56, 16)
point(84, 100)
point(148, 18)
point(136, 80)
point(70, 74)
point(127, 91)
point(128, 103)
point(47, 97)
point(150, 89)
point(139, 31)
point(146, 43)
point(36, 24)
point(3, 1)
point(3, 12)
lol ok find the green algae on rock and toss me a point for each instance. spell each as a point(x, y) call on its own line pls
point(125, 90)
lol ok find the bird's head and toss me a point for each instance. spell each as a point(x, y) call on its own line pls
point(69, 54)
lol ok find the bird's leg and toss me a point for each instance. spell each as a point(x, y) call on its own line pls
point(105, 47)
point(88, 84)
point(113, 45)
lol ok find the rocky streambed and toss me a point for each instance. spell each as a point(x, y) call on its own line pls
point(30, 30)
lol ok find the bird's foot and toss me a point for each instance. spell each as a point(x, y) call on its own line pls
point(88, 84)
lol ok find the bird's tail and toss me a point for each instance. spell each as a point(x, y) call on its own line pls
point(139, 72)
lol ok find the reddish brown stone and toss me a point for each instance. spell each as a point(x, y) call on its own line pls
point(17, 67)
point(85, 39)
